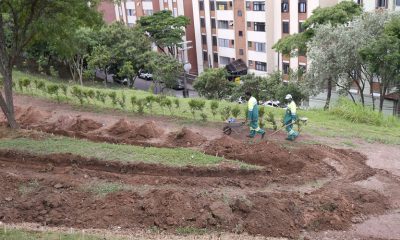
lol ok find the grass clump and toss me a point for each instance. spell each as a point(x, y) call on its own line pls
point(356, 113)
point(103, 188)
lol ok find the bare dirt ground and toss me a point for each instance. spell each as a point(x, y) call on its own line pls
point(307, 191)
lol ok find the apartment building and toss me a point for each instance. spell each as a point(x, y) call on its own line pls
point(247, 30)
point(129, 11)
point(371, 5)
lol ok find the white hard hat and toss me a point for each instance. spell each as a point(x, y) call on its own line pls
point(288, 97)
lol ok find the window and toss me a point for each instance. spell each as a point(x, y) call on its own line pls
point(202, 22)
point(223, 24)
point(201, 5)
point(148, 12)
point(259, 6)
point(301, 28)
point(203, 39)
point(175, 12)
point(131, 12)
point(213, 24)
point(260, 47)
point(224, 60)
point(215, 56)
point(205, 56)
point(359, 2)
point(381, 4)
point(398, 3)
point(241, 52)
point(240, 33)
point(248, 24)
point(285, 6)
point(214, 40)
point(233, 42)
point(302, 69)
point(250, 63)
point(261, 66)
point(239, 13)
point(285, 27)
point(212, 6)
point(223, 42)
point(259, 26)
point(249, 44)
point(222, 5)
point(302, 6)
point(248, 5)
point(285, 68)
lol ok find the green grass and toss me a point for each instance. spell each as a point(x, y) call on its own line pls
point(190, 231)
point(346, 123)
point(16, 234)
point(29, 187)
point(175, 157)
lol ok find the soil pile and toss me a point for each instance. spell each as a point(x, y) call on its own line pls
point(185, 138)
point(84, 125)
point(31, 116)
point(147, 131)
point(123, 128)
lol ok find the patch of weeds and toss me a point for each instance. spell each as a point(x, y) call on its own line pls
point(245, 166)
point(191, 231)
point(104, 188)
point(155, 229)
point(29, 187)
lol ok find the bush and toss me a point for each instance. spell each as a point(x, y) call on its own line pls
point(356, 113)
point(225, 113)
point(64, 89)
point(24, 83)
point(52, 89)
point(271, 119)
point(203, 117)
point(122, 101)
point(41, 86)
point(261, 113)
point(140, 106)
point(149, 102)
point(196, 105)
point(177, 103)
point(236, 111)
point(214, 108)
point(77, 92)
point(133, 102)
point(113, 97)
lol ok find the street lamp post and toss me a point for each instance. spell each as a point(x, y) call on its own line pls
point(187, 66)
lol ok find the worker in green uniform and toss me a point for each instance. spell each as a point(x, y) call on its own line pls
point(290, 118)
point(252, 116)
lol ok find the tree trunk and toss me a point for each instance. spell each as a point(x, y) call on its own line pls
point(80, 71)
point(328, 95)
point(382, 97)
point(105, 78)
point(7, 104)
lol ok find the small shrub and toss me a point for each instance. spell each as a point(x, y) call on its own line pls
point(140, 106)
point(161, 100)
point(196, 105)
point(52, 89)
point(133, 102)
point(203, 117)
point(90, 94)
point(214, 107)
point(149, 102)
point(177, 103)
point(122, 101)
point(271, 119)
point(41, 86)
point(64, 89)
point(77, 93)
point(168, 104)
point(24, 83)
point(225, 113)
point(236, 111)
point(261, 113)
point(98, 94)
point(113, 97)
point(53, 72)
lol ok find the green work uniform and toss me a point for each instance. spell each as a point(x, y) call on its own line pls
point(289, 119)
point(252, 116)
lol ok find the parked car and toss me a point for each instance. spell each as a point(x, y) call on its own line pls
point(272, 103)
point(121, 80)
point(145, 74)
point(241, 100)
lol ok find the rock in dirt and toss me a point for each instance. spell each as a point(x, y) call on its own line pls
point(58, 185)
point(8, 199)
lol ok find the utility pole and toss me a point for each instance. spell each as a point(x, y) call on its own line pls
point(186, 65)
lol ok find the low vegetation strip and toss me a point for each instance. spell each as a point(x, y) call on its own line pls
point(177, 157)
point(17, 234)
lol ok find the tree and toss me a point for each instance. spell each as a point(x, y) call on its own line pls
point(22, 22)
point(296, 44)
point(165, 30)
point(383, 57)
point(101, 58)
point(166, 69)
point(257, 85)
point(213, 84)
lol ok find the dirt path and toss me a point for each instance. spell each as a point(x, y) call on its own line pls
point(303, 189)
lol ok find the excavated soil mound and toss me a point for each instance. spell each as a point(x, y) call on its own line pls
point(123, 128)
point(53, 190)
point(148, 130)
point(84, 125)
point(31, 116)
point(185, 138)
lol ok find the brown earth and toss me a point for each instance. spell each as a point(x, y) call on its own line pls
point(53, 190)
point(299, 188)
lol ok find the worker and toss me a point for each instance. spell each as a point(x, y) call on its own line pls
point(290, 118)
point(252, 116)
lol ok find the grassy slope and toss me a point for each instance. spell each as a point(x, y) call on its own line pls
point(321, 123)
point(176, 157)
point(12, 234)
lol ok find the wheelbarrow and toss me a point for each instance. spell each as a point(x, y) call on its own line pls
point(232, 126)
